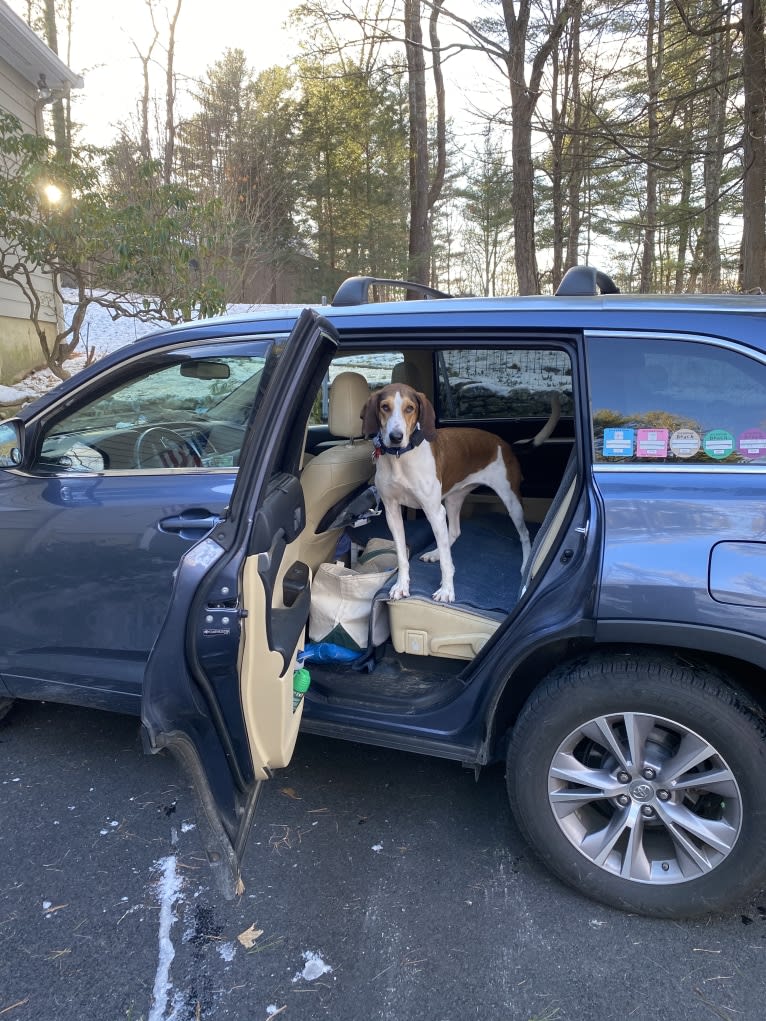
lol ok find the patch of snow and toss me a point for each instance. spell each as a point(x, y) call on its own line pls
point(377, 848)
point(227, 951)
point(168, 892)
point(103, 334)
point(313, 968)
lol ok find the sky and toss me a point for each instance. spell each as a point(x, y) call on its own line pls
point(104, 53)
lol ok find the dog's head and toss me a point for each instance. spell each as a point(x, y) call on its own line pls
point(395, 411)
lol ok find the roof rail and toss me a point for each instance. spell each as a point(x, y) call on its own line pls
point(356, 290)
point(580, 280)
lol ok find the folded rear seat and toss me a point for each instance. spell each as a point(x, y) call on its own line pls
point(487, 558)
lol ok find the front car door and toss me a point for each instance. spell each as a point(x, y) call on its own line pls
point(219, 685)
point(118, 480)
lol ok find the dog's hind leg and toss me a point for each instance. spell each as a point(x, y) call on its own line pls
point(516, 512)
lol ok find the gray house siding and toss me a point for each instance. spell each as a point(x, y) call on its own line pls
point(23, 58)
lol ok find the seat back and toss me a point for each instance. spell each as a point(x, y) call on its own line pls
point(337, 471)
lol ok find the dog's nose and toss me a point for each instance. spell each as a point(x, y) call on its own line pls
point(396, 436)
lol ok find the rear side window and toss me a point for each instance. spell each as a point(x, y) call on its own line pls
point(481, 384)
point(677, 402)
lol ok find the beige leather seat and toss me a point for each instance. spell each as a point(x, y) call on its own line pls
point(337, 471)
point(407, 372)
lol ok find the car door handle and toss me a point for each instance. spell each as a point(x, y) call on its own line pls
point(191, 521)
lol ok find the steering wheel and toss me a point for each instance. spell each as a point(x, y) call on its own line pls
point(162, 447)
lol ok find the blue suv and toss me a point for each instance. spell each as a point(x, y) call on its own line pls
point(188, 532)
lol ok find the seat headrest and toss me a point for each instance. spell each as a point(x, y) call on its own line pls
point(349, 392)
point(407, 372)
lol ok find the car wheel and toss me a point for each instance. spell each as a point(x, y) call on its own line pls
point(5, 705)
point(640, 781)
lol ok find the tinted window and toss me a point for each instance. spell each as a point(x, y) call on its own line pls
point(487, 383)
point(676, 402)
point(190, 414)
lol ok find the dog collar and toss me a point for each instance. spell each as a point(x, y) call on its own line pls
point(380, 448)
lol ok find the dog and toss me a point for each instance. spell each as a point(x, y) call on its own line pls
point(418, 465)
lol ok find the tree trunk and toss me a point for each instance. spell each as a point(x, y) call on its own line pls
point(170, 98)
point(58, 116)
point(145, 143)
point(715, 141)
point(574, 161)
point(753, 263)
point(684, 203)
point(558, 113)
point(524, 97)
point(654, 60)
point(419, 254)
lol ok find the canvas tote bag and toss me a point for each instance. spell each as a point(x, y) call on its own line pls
point(341, 598)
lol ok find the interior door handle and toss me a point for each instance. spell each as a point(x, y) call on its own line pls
point(190, 521)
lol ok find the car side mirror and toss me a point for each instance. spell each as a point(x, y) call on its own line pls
point(11, 443)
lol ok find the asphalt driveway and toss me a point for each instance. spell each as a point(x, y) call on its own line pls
point(378, 885)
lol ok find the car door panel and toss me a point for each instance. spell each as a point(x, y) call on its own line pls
point(92, 570)
point(218, 689)
point(94, 520)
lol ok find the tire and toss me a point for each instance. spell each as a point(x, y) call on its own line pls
point(5, 706)
point(674, 828)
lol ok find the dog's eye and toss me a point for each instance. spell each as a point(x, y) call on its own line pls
point(409, 409)
point(385, 407)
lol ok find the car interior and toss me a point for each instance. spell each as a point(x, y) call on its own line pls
point(429, 645)
point(414, 651)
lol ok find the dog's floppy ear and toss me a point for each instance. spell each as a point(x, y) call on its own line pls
point(369, 417)
point(427, 416)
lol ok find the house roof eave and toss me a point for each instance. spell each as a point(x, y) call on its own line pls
point(28, 55)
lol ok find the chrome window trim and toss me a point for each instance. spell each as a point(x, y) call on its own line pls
point(731, 345)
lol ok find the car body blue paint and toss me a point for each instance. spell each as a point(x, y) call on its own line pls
point(86, 639)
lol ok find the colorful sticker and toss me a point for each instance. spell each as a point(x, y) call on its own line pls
point(618, 442)
point(752, 443)
point(718, 443)
point(652, 443)
point(685, 442)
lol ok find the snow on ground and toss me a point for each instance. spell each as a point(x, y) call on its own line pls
point(101, 334)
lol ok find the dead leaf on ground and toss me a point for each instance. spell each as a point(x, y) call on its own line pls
point(289, 792)
point(249, 936)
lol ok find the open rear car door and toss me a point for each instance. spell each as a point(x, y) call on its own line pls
point(218, 690)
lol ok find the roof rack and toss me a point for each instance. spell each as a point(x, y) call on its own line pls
point(356, 290)
point(581, 280)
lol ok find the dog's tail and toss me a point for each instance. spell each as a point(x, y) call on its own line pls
point(552, 422)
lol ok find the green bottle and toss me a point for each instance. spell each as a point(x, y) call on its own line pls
point(301, 682)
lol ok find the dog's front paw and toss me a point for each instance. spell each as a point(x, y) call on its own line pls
point(445, 594)
point(399, 591)
point(430, 556)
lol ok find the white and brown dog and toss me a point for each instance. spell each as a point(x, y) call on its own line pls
point(418, 465)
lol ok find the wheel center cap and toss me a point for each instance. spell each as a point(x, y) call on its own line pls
point(641, 791)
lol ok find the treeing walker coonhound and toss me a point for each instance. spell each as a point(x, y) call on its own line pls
point(418, 465)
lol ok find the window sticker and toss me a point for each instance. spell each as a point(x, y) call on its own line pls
point(752, 444)
point(685, 442)
point(718, 443)
point(618, 442)
point(652, 443)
